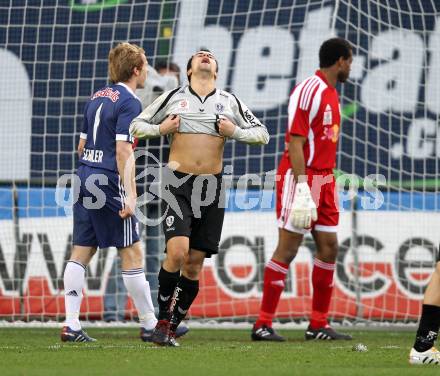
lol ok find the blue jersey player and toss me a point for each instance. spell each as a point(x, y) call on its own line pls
point(103, 215)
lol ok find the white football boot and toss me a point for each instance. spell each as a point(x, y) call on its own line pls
point(431, 356)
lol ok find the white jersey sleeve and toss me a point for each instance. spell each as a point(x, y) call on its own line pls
point(147, 124)
point(248, 128)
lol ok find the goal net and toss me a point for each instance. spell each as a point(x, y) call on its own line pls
point(53, 55)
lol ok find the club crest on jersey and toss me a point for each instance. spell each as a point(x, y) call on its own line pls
point(170, 220)
point(183, 106)
point(331, 133)
point(328, 117)
point(219, 107)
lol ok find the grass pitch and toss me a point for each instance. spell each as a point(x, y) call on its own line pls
point(205, 352)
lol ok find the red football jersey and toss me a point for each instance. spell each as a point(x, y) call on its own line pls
point(314, 113)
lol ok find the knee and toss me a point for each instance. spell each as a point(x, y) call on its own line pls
point(329, 251)
point(333, 246)
point(191, 270)
point(132, 257)
point(82, 255)
point(176, 254)
point(285, 253)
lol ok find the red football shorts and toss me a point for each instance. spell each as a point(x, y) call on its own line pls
point(323, 188)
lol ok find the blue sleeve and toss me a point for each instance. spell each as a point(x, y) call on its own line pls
point(128, 110)
point(85, 126)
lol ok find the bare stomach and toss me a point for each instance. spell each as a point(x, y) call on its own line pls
point(196, 153)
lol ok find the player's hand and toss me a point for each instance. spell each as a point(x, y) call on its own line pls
point(226, 127)
point(129, 207)
point(303, 210)
point(170, 125)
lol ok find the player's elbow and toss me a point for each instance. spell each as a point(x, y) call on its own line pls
point(134, 128)
point(265, 138)
point(139, 128)
point(296, 143)
point(296, 149)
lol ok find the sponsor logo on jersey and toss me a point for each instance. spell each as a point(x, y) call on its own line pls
point(250, 118)
point(219, 107)
point(108, 92)
point(328, 117)
point(170, 220)
point(183, 106)
point(331, 133)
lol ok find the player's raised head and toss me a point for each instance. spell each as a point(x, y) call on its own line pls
point(336, 53)
point(127, 61)
point(204, 62)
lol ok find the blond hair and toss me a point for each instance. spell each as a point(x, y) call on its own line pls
point(122, 59)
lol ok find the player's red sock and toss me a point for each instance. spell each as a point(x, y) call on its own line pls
point(322, 281)
point(274, 276)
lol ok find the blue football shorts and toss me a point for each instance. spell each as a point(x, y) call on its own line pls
point(96, 220)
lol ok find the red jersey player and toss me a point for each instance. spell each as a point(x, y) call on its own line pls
point(306, 194)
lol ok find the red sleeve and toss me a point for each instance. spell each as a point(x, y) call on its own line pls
point(302, 103)
point(300, 124)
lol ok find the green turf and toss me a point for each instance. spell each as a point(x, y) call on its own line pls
point(204, 352)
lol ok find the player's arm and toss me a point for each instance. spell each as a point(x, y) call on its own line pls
point(126, 169)
point(155, 120)
point(303, 210)
point(81, 145)
point(247, 129)
point(83, 134)
point(296, 156)
point(124, 153)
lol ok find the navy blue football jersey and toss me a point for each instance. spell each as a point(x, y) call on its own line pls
point(107, 117)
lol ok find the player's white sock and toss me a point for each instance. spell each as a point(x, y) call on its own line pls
point(139, 289)
point(74, 278)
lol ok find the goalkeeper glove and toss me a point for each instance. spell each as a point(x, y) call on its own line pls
point(303, 210)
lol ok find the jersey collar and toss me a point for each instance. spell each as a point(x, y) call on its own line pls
point(128, 89)
point(200, 99)
point(322, 77)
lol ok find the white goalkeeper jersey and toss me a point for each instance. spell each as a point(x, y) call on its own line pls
point(200, 115)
